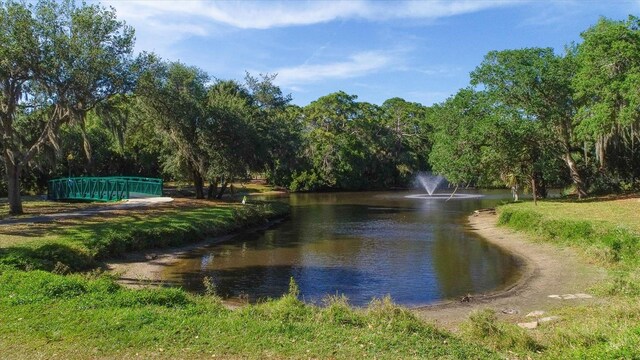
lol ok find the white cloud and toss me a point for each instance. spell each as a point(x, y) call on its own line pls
point(162, 24)
point(269, 14)
point(356, 65)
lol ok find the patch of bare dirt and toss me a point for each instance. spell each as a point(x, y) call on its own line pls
point(546, 270)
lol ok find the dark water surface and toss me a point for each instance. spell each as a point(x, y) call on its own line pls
point(362, 245)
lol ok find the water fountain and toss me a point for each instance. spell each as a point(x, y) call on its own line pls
point(430, 183)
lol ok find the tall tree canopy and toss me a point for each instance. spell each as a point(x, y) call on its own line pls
point(57, 61)
point(175, 98)
point(607, 87)
point(535, 83)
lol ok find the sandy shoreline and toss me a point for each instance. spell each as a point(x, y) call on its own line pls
point(144, 268)
point(547, 270)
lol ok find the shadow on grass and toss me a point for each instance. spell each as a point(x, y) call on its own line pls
point(592, 199)
point(47, 257)
point(80, 243)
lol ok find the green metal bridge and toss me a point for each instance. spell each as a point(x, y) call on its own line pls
point(111, 188)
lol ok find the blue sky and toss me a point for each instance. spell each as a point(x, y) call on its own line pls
point(421, 51)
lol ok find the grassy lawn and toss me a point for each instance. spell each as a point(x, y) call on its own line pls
point(623, 213)
point(240, 188)
point(96, 318)
point(77, 243)
point(90, 316)
point(606, 233)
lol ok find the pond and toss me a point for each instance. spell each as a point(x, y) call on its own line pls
point(361, 245)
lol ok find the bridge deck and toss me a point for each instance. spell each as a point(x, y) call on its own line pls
point(110, 188)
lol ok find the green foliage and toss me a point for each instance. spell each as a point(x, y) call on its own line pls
point(58, 61)
point(356, 145)
point(531, 87)
point(608, 69)
point(461, 132)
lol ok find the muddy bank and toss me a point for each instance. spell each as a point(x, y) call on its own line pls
point(546, 270)
point(144, 268)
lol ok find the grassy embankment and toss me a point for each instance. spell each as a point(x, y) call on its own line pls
point(89, 315)
point(606, 234)
point(80, 243)
point(86, 316)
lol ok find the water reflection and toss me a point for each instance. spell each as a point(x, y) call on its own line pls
point(362, 245)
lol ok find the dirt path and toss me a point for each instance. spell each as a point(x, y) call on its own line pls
point(124, 205)
point(548, 270)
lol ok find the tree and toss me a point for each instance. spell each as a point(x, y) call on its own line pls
point(461, 125)
point(333, 148)
point(227, 137)
point(174, 96)
point(606, 85)
point(278, 126)
point(478, 142)
point(409, 135)
point(537, 84)
point(58, 61)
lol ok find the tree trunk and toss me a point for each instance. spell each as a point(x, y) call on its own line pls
point(600, 152)
point(198, 183)
point(13, 186)
point(571, 164)
point(575, 175)
point(541, 187)
point(533, 188)
point(514, 193)
point(223, 187)
point(213, 185)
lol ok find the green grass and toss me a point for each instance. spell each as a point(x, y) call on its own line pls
point(87, 318)
point(607, 234)
point(78, 244)
point(89, 315)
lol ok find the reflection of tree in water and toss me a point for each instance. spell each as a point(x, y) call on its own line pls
point(465, 264)
point(357, 245)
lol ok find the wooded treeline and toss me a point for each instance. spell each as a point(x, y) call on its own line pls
point(535, 118)
point(75, 100)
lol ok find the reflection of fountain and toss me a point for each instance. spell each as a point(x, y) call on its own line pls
point(429, 182)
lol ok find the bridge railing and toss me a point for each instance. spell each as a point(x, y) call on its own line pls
point(110, 188)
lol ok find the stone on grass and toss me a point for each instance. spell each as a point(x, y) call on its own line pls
point(536, 313)
point(569, 297)
point(548, 318)
point(584, 296)
point(555, 296)
point(528, 325)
